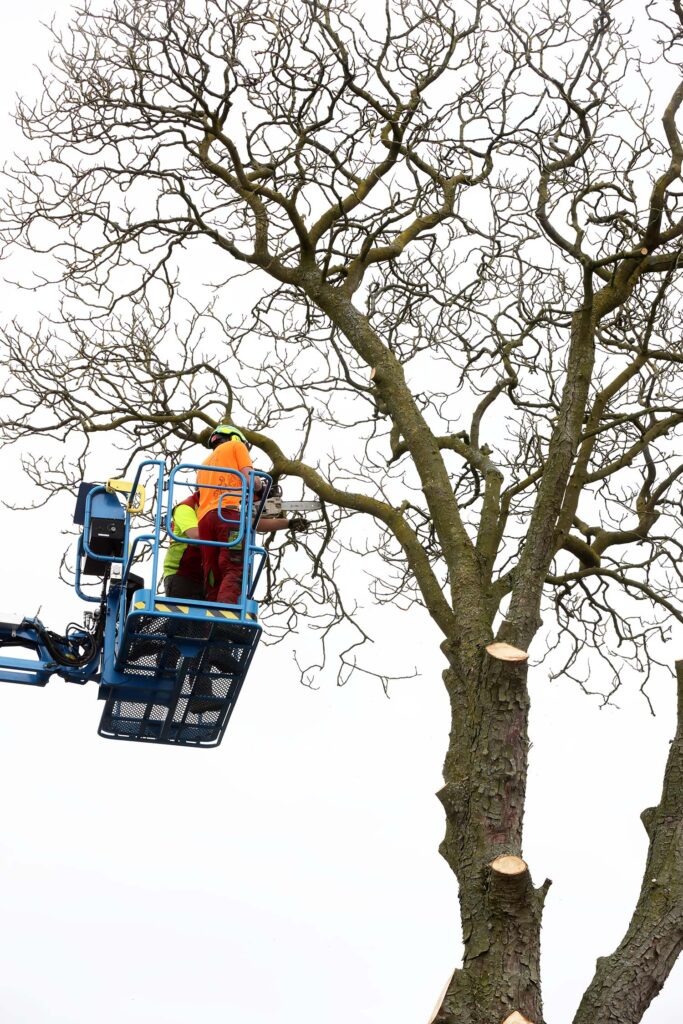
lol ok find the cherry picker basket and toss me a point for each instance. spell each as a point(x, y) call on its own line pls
point(185, 676)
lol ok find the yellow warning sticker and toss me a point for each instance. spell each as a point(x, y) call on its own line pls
point(185, 609)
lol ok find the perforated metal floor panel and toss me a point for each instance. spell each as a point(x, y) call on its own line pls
point(184, 678)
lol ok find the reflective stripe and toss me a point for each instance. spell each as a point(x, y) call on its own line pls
point(185, 609)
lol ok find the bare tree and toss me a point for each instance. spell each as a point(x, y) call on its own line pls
point(459, 216)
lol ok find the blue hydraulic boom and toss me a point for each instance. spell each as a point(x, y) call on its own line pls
point(169, 670)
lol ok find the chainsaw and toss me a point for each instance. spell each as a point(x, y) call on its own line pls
point(275, 508)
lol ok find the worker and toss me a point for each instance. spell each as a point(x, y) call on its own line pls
point(183, 573)
point(223, 566)
point(183, 567)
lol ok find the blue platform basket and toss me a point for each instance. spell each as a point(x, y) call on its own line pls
point(173, 669)
point(180, 675)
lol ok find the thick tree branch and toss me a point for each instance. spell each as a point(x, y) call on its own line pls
point(391, 517)
point(626, 982)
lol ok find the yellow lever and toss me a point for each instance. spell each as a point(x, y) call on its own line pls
point(136, 502)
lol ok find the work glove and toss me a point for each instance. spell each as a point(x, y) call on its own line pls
point(298, 524)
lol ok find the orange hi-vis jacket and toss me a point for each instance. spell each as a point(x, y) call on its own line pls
point(229, 455)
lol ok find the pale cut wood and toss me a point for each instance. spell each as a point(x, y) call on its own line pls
point(506, 652)
point(440, 1001)
point(517, 1018)
point(373, 371)
point(507, 864)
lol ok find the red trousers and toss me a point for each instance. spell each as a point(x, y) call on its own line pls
point(223, 567)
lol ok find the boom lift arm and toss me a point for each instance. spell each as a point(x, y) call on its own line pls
point(75, 655)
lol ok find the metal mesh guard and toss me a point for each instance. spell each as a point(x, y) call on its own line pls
point(206, 685)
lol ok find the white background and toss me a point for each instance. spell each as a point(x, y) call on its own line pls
point(292, 875)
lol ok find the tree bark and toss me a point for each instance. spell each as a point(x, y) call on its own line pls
point(483, 796)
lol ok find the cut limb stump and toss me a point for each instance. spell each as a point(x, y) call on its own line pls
point(506, 652)
point(510, 884)
point(517, 1018)
point(507, 864)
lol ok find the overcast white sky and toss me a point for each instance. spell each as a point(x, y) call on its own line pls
point(292, 875)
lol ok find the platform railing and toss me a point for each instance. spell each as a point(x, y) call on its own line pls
point(248, 492)
point(243, 493)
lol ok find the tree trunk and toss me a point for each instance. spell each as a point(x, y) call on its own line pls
point(485, 784)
